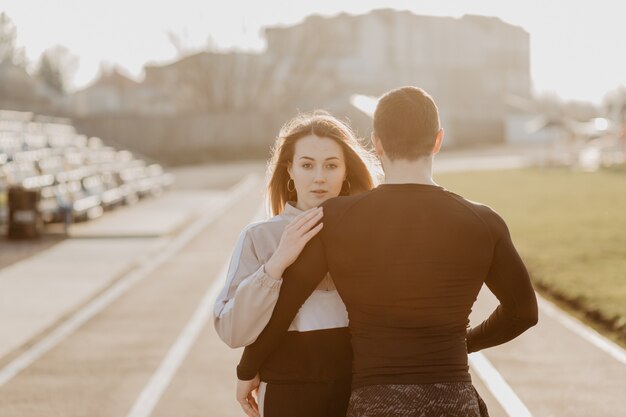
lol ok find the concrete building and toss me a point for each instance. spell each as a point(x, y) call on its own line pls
point(207, 81)
point(469, 64)
point(112, 92)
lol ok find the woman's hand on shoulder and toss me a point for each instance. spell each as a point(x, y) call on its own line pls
point(295, 236)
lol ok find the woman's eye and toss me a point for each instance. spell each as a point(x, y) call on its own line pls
point(307, 166)
point(331, 166)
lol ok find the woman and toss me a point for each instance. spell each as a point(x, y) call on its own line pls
point(316, 157)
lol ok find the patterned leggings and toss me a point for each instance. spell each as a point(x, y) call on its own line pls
point(457, 399)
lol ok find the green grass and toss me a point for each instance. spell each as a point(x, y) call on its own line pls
point(570, 229)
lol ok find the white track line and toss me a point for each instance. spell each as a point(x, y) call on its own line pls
point(152, 392)
point(582, 330)
point(120, 287)
point(503, 393)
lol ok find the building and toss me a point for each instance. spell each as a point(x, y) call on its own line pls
point(469, 65)
point(112, 92)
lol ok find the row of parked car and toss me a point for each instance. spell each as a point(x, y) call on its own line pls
point(77, 178)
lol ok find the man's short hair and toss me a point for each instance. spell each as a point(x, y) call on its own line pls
point(406, 121)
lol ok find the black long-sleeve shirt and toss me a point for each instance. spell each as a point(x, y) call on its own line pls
point(408, 261)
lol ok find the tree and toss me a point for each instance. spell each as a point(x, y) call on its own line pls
point(56, 68)
point(50, 75)
point(615, 105)
point(9, 52)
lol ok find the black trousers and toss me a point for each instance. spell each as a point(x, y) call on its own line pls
point(310, 399)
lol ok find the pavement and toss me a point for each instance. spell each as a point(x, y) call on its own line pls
point(154, 217)
point(117, 338)
point(39, 291)
point(116, 324)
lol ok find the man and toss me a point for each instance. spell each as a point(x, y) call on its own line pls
point(408, 259)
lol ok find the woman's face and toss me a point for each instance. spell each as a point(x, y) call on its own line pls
point(318, 170)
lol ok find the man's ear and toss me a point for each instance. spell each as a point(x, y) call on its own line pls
point(378, 147)
point(438, 142)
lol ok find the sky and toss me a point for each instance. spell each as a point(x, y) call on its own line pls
point(578, 47)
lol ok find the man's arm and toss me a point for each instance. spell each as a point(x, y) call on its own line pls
point(299, 281)
point(508, 280)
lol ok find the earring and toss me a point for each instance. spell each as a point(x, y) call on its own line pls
point(291, 190)
point(349, 186)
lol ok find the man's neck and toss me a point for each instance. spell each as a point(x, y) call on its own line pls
point(419, 171)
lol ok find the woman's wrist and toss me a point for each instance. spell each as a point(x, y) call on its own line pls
point(273, 269)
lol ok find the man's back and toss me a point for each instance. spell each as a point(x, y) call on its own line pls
point(408, 261)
